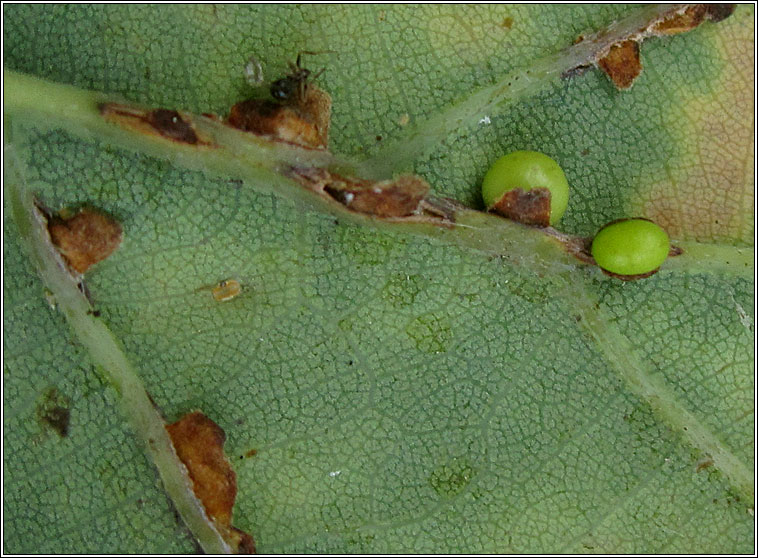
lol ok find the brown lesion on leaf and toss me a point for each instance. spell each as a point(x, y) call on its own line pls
point(85, 237)
point(621, 60)
point(705, 463)
point(622, 64)
point(530, 207)
point(691, 17)
point(199, 444)
point(389, 198)
point(165, 123)
point(404, 198)
point(719, 12)
point(300, 113)
point(284, 123)
point(54, 413)
point(679, 23)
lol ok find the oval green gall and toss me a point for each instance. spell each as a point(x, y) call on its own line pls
point(533, 173)
point(630, 247)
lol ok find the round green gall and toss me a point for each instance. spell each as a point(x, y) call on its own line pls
point(630, 247)
point(526, 186)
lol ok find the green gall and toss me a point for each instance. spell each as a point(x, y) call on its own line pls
point(526, 186)
point(630, 247)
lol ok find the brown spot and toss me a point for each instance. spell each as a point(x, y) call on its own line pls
point(242, 542)
point(445, 208)
point(679, 23)
point(703, 464)
point(622, 63)
point(675, 251)
point(166, 123)
point(399, 197)
point(403, 198)
point(275, 121)
point(199, 444)
point(170, 124)
point(531, 207)
point(389, 198)
point(251, 453)
point(316, 106)
point(53, 411)
point(226, 290)
point(86, 238)
point(507, 23)
point(719, 12)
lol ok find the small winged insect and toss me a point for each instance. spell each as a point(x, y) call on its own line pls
point(299, 112)
point(292, 88)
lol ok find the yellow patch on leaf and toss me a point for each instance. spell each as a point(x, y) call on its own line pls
point(708, 192)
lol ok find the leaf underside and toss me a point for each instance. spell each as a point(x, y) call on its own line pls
point(402, 394)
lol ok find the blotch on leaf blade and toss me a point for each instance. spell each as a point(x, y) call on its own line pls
point(86, 238)
point(622, 63)
point(199, 444)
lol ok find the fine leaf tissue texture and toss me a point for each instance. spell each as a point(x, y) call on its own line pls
point(384, 392)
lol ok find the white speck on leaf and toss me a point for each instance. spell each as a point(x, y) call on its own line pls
point(485, 120)
point(334, 473)
point(745, 320)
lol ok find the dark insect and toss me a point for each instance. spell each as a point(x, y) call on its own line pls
point(293, 86)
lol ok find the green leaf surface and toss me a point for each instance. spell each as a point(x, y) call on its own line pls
point(402, 393)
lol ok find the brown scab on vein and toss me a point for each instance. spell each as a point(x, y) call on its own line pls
point(300, 113)
point(691, 17)
point(621, 60)
point(169, 124)
point(303, 121)
point(396, 198)
point(719, 12)
point(680, 23)
point(273, 120)
point(531, 207)
point(87, 237)
point(389, 198)
point(199, 444)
